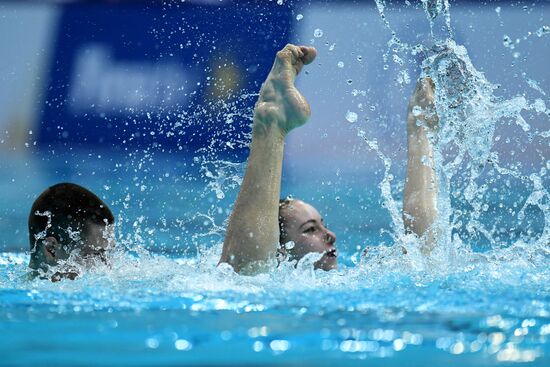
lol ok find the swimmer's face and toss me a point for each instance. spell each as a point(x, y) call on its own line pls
point(70, 228)
point(303, 225)
point(84, 249)
point(98, 239)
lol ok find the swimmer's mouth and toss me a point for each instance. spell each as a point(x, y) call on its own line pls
point(332, 252)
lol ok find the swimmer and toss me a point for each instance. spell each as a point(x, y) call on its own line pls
point(69, 228)
point(260, 223)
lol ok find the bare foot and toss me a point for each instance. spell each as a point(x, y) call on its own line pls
point(280, 103)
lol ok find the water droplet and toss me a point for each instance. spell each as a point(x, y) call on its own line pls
point(299, 17)
point(318, 33)
point(279, 345)
point(539, 105)
point(351, 116)
point(398, 345)
point(182, 344)
point(340, 64)
point(507, 42)
point(349, 81)
point(152, 343)
point(398, 60)
point(544, 30)
point(258, 346)
point(289, 245)
point(359, 58)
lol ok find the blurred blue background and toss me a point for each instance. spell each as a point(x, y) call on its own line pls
point(149, 103)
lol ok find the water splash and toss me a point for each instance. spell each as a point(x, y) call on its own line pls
point(469, 113)
point(439, 17)
point(469, 169)
point(223, 175)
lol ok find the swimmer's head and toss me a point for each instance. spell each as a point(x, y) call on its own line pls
point(68, 221)
point(302, 224)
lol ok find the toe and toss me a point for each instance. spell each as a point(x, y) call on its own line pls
point(309, 54)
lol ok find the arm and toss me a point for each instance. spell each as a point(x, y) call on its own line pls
point(420, 199)
point(252, 235)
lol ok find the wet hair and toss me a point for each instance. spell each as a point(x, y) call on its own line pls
point(64, 206)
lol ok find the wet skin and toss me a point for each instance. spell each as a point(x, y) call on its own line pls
point(303, 225)
point(252, 236)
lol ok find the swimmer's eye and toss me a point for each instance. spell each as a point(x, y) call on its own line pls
point(310, 230)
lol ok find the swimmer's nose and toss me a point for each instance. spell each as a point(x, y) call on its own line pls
point(330, 237)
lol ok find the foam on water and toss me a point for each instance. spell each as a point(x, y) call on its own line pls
point(503, 280)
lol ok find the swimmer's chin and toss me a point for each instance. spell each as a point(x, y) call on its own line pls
point(327, 263)
point(64, 275)
point(53, 276)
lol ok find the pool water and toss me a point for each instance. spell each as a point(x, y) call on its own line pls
point(152, 309)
